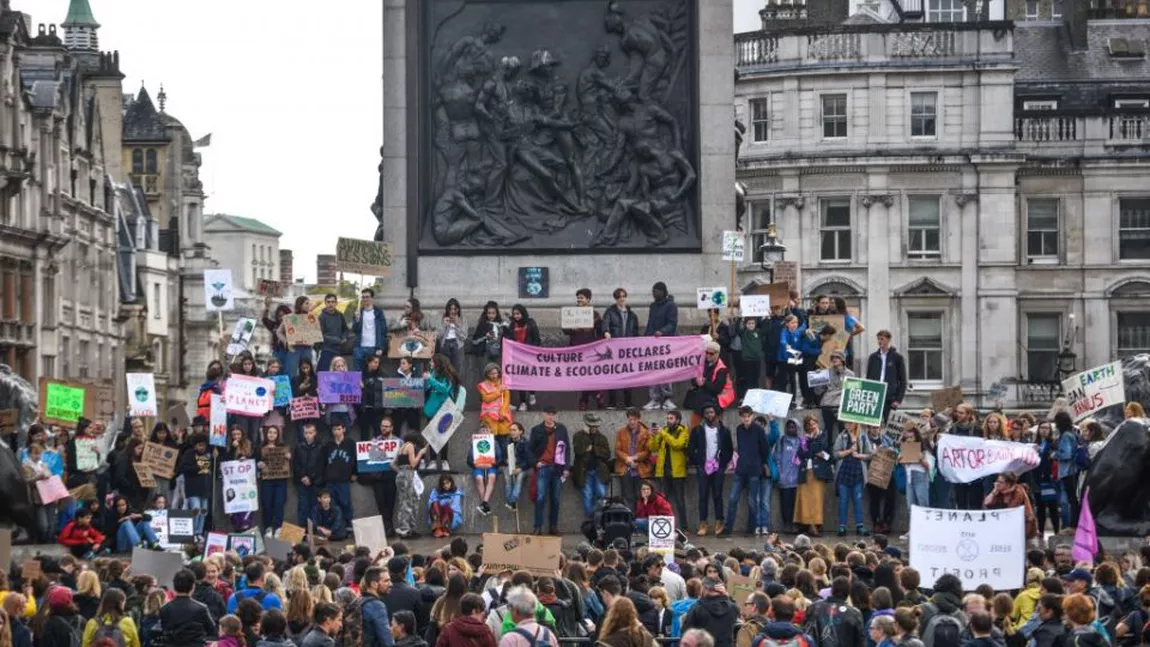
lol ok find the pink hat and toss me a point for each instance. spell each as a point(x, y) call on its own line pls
point(59, 597)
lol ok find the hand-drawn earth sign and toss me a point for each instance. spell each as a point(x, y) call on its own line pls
point(483, 446)
point(661, 528)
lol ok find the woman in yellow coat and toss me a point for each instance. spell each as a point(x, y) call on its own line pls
point(669, 445)
point(112, 613)
point(495, 410)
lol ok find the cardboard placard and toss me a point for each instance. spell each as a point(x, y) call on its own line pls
point(157, 563)
point(30, 569)
point(369, 531)
point(277, 463)
point(302, 330)
point(5, 546)
point(739, 587)
point(779, 291)
point(144, 475)
point(943, 399)
point(416, 344)
point(292, 533)
point(910, 452)
point(577, 317)
point(368, 257)
point(269, 288)
point(9, 418)
point(160, 459)
point(402, 393)
point(537, 555)
point(304, 408)
point(882, 463)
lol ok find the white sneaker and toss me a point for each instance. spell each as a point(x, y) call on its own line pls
point(668, 405)
point(522, 406)
point(758, 531)
point(652, 405)
point(904, 537)
point(531, 399)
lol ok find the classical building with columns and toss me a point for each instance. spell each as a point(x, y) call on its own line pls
point(979, 188)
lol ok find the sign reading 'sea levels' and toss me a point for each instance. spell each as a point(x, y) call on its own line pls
point(363, 257)
point(558, 126)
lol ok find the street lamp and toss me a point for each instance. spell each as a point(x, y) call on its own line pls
point(1066, 357)
point(771, 251)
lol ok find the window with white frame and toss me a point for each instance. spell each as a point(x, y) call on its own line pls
point(923, 114)
point(760, 219)
point(760, 120)
point(924, 228)
point(1056, 9)
point(1043, 343)
point(1042, 230)
point(1133, 333)
point(835, 229)
point(834, 116)
point(1031, 9)
point(924, 350)
point(945, 11)
point(1134, 228)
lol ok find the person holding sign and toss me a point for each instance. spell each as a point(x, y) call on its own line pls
point(852, 450)
point(36, 470)
point(749, 367)
point(832, 394)
point(273, 483)
point(126, 478)
point(882, 500)
point(195, 465)
point(81, 457)
point(239, 449)
point(441, 382)
point(383, 486)
point(918, 472)
point(495, 409)
point(580, 336)
point(524, 330)
point(967, 496)
point(370, 409)
point(305, 384)
point(484, 475)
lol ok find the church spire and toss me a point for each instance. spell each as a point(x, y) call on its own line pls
point(80, 27)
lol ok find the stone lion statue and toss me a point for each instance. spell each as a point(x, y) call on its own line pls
point(15, 506)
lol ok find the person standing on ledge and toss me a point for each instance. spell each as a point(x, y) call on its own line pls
point(887, 365)
point(662, 320)
point(550, 448)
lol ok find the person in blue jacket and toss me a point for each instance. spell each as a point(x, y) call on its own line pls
point(328, 519)
point(790, 356)
point(1068, 440)
point(662, 320)
point(485, 476)
point(750, 468)
point(763, 512)
point(445, 507)
point(786, 469)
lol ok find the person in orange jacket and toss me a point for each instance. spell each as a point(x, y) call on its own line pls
point(632, 456)
point(81, 538)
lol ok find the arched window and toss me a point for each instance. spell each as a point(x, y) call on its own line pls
point(137, 162)
point(151, 165)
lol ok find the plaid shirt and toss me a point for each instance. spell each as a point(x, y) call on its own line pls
point(851, 471)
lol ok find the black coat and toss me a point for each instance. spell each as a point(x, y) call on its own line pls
point(618, 324)
point(895, 373)
point(309, 460)
point(697, 447)
point(61, 631)
point(538, 443)
point(210, 598)
point(186, 623)
point(717, 615)
point(404, 597)
point(848, 622)
point(824, 468)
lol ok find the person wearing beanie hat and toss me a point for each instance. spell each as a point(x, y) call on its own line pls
point(662, 319)
point(831, 394)
point(589, 472)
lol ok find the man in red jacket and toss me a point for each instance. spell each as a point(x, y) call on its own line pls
point(650, 504)
point(79, 535)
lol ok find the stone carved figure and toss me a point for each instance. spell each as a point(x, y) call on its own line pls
point(15, 506)
point(535, 152)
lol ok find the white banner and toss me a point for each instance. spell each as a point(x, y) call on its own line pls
point(661, 537)
point(141, 395)
point(249, 396)
point(769, 403)
point(218, 291)
point(979, 546)
point(240, 490)
point(1098, 388)
point(962, 459)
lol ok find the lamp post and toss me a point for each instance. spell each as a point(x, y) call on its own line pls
point(771, 251)
point(1066, 357)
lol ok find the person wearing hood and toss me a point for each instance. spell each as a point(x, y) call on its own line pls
point(836, 610)
point(662, 320)
point(754, 615)
point(445, 507)
point(786, 469)
point(714, 613)
point(333, 326)
point(781, 627)
point(1027, 599)
point(679, 608)
point(645, 607)
point(403, 630)
point(1009, 493)
point(468, 629)
point(947, 600)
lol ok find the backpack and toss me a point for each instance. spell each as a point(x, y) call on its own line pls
point(1082, 457)
point(542, 637)
point(352, 633)
point(111, 632)
point(944, 629)
point(763, 640)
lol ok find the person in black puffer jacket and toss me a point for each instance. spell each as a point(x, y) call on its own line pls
point(371, 407)
point(713, 613)
point(308, 462)
point(205, 594)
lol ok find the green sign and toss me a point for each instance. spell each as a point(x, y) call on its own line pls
point(64, 403)
point(862, 401)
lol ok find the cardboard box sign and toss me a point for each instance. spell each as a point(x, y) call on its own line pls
point(911, 453)
point(277, 463)
point(538, 555)
point(943, 399)
point(882, 463)
point(160, 459)
point(144, 475)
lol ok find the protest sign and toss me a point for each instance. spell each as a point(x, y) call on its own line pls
point(985, 546)
point(61, 403)
point(707, 298)
point(962, 459)
point(537, 555)
point(241, 335)
point(534, 282)
point(786, 272)
point(160, 459)
point(618, 363)
point(269, 288)
point(244, 545)
point(755, 305)
point(51, 490)
point(818, 378)
point(862, 401)
point(340, 387)
point(277, 549)
point(159, 525)
point(369, 532)
point(239, 487)
point(443, 424)
point(734, 246)
point(218, 291)
point(9, 418)
point(306, 408)
point(943, 399)
point(483, 450)
point(910, 452)
point(769, 403)
point(181, 526)
point(896, 421)
point(402, 393)
point(376, 455)
point(882, 462)
point(87, 455)
point(1090, 391)
point(218, 425)
point(141, 395)
point(661, 537)
point(159, 564)
point(31, 569)
point(415, 344)
point(368, 257)
point(576, 317)
point(248, 396)
point(217, 543)
point(302, 330)
point(144, 475)
point(277, 463)
point(837, 342)
point(740, 587)
point(282, 390)
point(292, 533)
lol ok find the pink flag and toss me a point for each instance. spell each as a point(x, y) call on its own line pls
point(1086, 536)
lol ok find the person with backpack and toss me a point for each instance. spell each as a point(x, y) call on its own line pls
point(781, 630)
point(1081, 622)
point(468, 629)
point(833, 622)
point(754, 614)
point(328, 624)
point(111, 623)
point(254, 576)
point(943, 620)
point(521, 602)
point(61, 626)
point(368, 614)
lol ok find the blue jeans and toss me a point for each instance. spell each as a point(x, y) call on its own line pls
point(200, 504)
point(710, 491)
point(305, 496)
point(341, 496)
point(763, 513)
point(917, 490)
point(853, 494)
point(547, 485)
point(273, 498)
point(512, 486)
point(940, 493)
point(593, 490)
point(740, 482)
point(359, 356)
point(130, 534)
point(289, 365)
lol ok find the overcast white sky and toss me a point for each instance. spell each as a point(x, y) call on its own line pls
point(290, 91)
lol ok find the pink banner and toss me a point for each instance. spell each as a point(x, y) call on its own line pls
point(606, 364)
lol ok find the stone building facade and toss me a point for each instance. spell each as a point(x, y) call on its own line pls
point(978, 188)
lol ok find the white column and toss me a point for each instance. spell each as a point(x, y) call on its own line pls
point(878, 206)
point(968, 292)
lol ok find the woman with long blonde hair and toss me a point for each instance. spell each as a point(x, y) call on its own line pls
point(273, 585)
point(621, 626)
point(295, 579)
point(300, 606)
point(321, 593)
